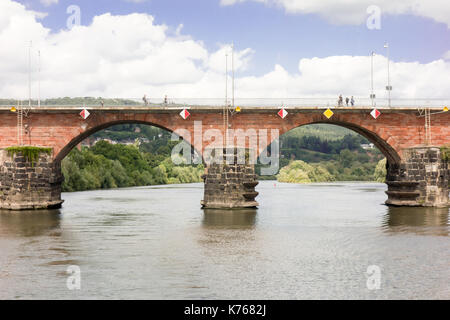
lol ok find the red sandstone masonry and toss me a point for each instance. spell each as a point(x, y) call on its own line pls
point(391, 132)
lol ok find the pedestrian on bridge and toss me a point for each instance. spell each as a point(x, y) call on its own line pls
point(352, 101)
point(340, 101)
point(346, 101)
point(145, 99)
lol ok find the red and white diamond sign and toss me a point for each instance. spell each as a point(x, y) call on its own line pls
point(185, 114)
point(84, 114)
point(375, 113)
point(282, 113)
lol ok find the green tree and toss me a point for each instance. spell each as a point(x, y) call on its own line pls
point(380, 171)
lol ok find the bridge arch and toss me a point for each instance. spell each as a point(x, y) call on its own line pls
point(387, 149)
point(380, 137)
point(74, 141)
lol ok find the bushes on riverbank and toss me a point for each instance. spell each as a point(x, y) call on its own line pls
point(301, 172)
point(380, 171)
point(110, 166)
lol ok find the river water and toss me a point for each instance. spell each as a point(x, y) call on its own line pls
point(304, 242)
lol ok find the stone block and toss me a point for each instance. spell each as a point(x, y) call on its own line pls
point(27, 185)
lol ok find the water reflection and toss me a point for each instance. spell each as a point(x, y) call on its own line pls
point(419, 220)
point(29, 223)
point(224, 232)
point(230, 219)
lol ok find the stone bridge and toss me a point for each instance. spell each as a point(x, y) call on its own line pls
point(418, 173)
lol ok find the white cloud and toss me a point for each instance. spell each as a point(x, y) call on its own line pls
point(350, 75)
point(446, 55)
point(127, 56)
point(49, 2)
point(354, 11)
point(39, 15)
point(231, 2)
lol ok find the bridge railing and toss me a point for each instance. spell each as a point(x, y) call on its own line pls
point(330, 102)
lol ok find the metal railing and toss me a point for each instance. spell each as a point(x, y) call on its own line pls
point(241, 102)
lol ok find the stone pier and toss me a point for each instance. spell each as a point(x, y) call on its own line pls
point(422, 179)
point(230, 183)
point(25, 184)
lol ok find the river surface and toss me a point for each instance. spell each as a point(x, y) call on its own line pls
point(304, 242)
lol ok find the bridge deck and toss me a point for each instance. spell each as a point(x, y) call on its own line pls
point(158, 108)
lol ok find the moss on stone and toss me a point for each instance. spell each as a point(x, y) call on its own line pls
point(31, 154)
point(445, 153)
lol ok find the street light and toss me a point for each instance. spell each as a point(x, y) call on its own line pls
point(226, 80)
point(29, 74)
point(232, 68)
point(388, 87)
point(39, 78)
point(372, 95)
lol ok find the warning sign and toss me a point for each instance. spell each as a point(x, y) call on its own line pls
point(84, 114)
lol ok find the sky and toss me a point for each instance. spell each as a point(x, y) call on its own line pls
point(283, 48)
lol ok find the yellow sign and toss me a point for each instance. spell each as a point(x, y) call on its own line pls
point(328, 113)
point(445, 109)
point(13, 109)
point(238, 109)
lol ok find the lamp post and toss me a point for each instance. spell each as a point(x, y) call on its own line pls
point(29, 74)
point(388, 87)
point(226, 80)
point(39, 78)
point(225, 107)
point(372, 95)
point(232, 67)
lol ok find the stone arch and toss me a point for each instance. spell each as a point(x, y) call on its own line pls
point(386, 144)
point(93, 129)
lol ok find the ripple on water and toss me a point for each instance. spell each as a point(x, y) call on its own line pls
point(304, 242)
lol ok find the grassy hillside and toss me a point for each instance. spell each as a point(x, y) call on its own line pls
point(324, 131)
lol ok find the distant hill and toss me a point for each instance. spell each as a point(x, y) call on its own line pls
point(321, 130)
point(79, 101)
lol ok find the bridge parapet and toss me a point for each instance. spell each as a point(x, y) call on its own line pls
point(299, 102)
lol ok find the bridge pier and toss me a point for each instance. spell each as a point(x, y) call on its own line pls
point(422, 179)
point(26, 184)
point(230, 182)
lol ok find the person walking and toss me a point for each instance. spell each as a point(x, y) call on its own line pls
point(145, 99)
point(340, 101)
point(352, 101)
point(346, 101)
point(165, 99)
